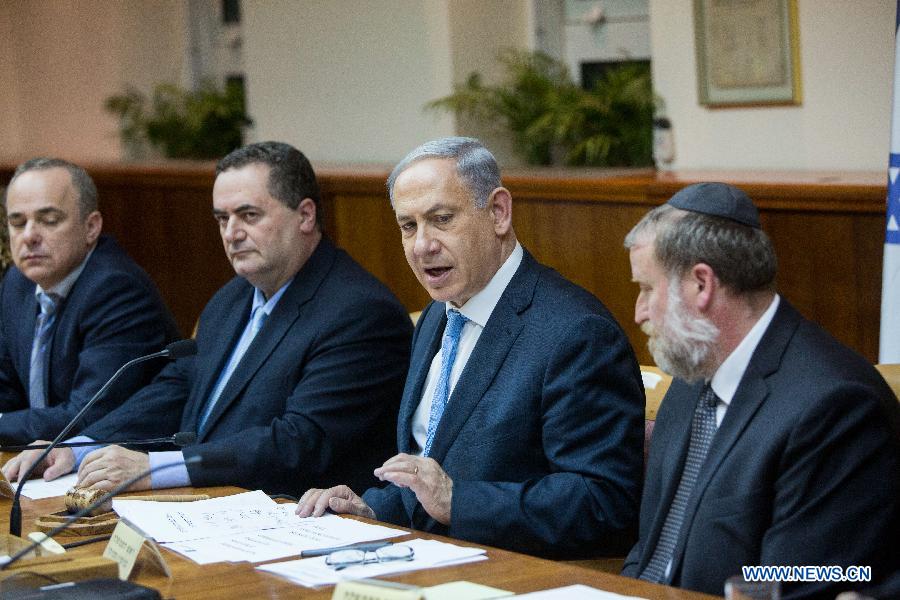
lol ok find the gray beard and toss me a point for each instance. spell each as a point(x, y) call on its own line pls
point(683, 346)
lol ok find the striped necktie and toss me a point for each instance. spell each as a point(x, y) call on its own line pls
point(703, 428)
point(43, 331)
point(449, 344)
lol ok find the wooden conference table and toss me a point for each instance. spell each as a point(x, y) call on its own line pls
point(506, 570)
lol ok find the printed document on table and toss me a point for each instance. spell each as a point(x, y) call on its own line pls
point(306, 534)
point(428, 554)
point(38, 488)
point(243, 527)
point(216, 517)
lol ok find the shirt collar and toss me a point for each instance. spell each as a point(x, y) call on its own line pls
point(63, 288)
point(479, 307)
point(259, 299)
point(729, 374)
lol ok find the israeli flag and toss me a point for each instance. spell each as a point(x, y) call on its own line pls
point(890, 279)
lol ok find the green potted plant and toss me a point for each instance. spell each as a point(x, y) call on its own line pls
point(205, 123)
point(552, 119)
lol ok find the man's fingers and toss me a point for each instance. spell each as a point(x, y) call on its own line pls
point(339, 505)
point(307, 503)
point(89, 460)
point(11, 469)
point(339, 499)
point(57, 469)
point(92, 477)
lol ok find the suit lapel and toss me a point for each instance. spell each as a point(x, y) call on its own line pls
point(26, 337)
point(211, 363)
point(502, 329)
point(750, 395)
point(275, 327)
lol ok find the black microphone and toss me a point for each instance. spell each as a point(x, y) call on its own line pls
point(178, 349)
point(180, 439)
point(90, 508)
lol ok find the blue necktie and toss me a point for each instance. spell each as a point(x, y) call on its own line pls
point(703, 428)
point(449, 344)
point(256, 322)
point(43, 331)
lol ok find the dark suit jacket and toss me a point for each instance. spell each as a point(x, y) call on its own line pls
point(112, 314)
point(802, 471)
point(312, 403)
point(543, 432)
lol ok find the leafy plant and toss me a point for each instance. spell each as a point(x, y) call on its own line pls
point(548, 114)
point(202, 124)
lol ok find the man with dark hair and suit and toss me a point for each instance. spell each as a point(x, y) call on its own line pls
point(522, 419)
point(775, 444)
point(74, 308)
point(301, 357)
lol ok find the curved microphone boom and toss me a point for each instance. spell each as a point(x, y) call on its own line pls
point(180, 439)
point(88, 509)
point(175, 350)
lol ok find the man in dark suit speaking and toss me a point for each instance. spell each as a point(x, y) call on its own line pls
point(301, 357)
point(521, 424)
point(73, 309)
point(775, 444)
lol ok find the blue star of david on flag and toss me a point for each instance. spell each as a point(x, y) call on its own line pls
point(892, 235)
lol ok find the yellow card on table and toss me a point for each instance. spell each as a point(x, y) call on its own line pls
point(375, 589)
point(127, 546)
point(463, 590)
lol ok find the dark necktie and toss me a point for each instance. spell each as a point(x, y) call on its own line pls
point(43, 331)
point(703, 428)
point(449, 344)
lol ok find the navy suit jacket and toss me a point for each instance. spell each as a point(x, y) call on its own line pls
point(542, 435)
point(312, 403)
point(112, 314)
point(803, 469)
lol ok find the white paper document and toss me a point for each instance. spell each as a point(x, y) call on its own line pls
point(38, 488)
point(575, 592)
point(216, 517)
point(244, 527)
point(306, 534)
point(428, 554)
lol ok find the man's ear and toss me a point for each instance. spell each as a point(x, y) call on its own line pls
point(93, 225)
point(307, 209)
point(700, 287)
point(500, 205)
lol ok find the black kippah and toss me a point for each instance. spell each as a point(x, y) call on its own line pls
point(718, 200)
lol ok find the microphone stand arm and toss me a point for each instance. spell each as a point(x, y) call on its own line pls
point(15, 513)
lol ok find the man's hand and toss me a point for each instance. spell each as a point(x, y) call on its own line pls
point(339, 499)
point(425, 477)
point(59, 462)
point(112, 466)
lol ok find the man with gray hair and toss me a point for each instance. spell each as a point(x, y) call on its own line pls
point(73, 309)
point(521, 424)
point(775, 445)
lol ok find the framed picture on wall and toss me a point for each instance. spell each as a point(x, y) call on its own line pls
point(748, 52)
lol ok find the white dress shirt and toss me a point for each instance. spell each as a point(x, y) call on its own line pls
point(728, 376)
point(477, 310)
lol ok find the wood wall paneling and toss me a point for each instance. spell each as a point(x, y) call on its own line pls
point(828, 231)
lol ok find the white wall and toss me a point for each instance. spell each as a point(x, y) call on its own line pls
point(63, 58)
point(475, 42)
point(346, 81)
point(847, 53)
